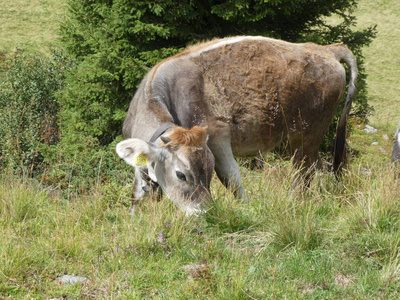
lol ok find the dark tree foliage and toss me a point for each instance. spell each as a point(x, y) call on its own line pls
point(116, 42)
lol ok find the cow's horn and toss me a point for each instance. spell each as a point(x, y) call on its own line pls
point(165, 139)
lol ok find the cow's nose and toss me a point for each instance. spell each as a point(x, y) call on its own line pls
point(201, 195)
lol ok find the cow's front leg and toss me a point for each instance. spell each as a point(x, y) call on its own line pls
point(139, 190)
point(228, 172)
point(226, 166)
point(143, 185)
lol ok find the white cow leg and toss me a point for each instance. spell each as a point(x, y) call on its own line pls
point(228, 171)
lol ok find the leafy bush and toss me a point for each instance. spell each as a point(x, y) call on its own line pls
point(78, 163)
point(29, 106)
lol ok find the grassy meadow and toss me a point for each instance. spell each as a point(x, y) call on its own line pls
point(30, 24)
point(383, 59)
point(332, 241)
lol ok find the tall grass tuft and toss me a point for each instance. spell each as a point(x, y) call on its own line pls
point(22, 210)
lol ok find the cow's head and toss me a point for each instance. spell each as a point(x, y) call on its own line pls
point(182, 164)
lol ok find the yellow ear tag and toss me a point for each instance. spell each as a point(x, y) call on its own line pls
point(141, 160)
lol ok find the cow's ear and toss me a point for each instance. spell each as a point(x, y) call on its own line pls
point(137, 152)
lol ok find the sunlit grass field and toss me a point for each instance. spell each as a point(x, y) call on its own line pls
point(336, 240)
point(30, 24)
point(383, 59)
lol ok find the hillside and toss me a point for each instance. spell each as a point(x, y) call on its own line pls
point(34, 25)
point(30, 24)
point(383, 59)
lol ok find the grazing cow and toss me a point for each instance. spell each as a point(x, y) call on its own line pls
point(195, 111)
point(396, 146)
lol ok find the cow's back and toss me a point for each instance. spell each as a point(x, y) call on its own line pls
point(268, 89)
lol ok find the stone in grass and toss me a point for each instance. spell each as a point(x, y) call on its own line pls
point(69, 279)
point(370, 129)
point(201, 271)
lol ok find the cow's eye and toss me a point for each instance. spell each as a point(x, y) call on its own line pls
point(180, 175)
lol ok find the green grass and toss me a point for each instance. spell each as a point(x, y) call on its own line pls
point(333, 241)
point(382, 59)
point(30, 24)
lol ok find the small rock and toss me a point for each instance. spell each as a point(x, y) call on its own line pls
point(69, 279)
point(365, 171)
point(385, 137)
point(343, 280)
point(382, 150)
point(374, 143)
point(370, 129)
point(198, 271)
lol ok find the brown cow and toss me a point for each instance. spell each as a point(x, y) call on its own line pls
point(195, 111)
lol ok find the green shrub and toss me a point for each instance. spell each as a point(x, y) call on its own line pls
point(29, 107)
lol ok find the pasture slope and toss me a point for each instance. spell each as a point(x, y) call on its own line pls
point(333, 241)
point(383, 59)
point(30, 24)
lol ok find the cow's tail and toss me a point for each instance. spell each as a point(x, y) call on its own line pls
point(343, 53)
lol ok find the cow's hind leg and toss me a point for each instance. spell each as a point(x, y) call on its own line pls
point(306, 163)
